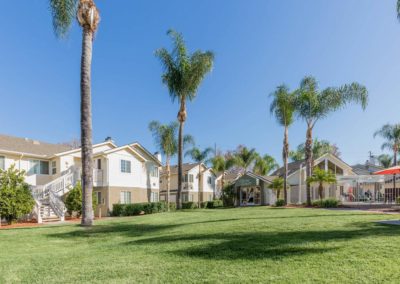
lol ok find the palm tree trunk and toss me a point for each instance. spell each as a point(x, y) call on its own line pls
point(278, 194)
point(285, 162)
point(309, 158)
point(200, 176)
point(86, 129)
point(168, 179)
point(394, 176)
point(181, 119)
point(320, 189)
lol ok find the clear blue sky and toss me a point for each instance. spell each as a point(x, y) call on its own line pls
point(259, 44)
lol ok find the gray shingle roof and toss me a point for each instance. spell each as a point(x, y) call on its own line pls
point(29, 146)
point(185, 167)
point(292, 167)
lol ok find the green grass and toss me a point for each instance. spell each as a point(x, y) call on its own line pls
point(231, 245)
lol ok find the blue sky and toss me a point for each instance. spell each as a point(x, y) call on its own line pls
point(258, 44)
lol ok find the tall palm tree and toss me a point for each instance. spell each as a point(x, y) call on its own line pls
point(166, 140)
point(221, 164)
point(391, 133)
point(283, 108)
point(319, 148)
point(63, 13)
point(320, 177)
point(277, 185)
point(183, 74)
point(201, 157)
point(385, 160)
point(244, 157)
point(264, 165)
point(313, 104)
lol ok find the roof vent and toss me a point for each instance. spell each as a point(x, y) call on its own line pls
point(108, 139)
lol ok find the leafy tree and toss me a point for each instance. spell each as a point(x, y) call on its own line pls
point(166, 139)
point(264, 165)
point(15, 196)
point(391, 133)
point(221, 164)
point(73, 201)
point(283, 107)
point(87, 15)
point(319, 148)
point(313, 104)
point(320, 177)
point(277, 185)
point(183, 74)
point(385, 160)
point(244, 157)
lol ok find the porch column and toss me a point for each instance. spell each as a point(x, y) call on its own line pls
point(300, 182)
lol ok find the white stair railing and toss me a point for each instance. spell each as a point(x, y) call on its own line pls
point(53, 191)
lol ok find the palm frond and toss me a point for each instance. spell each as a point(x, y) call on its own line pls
point(63, 13)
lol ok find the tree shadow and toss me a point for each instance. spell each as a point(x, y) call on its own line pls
point(266, 245)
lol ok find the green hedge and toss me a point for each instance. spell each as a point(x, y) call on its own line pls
point(326, 203)
point(214, 204)
point(280, 203)
point(138, 208)
point(189, 205)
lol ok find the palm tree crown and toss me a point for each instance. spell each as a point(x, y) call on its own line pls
point(198, 155)
point(282, 106)
point(183, 72)
point(277, 185)
point(320, 177)
point(391, 133)
point(244, 157)
point(385, 160)
point(319, 148)
point(264, 165)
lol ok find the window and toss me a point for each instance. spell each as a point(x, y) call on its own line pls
point(125, 197)
point(98, 164)
point(154, 171)
point(185, 197)
point(98, 196)
point(125, 166)
point(37, 167)
point(2, 163)
point(154, 197)
point(210, 198)
point(209, 180)
point(191, 197)
point(188, 178)
point(53, 167)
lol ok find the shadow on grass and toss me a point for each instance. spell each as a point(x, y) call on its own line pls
point(267, 245)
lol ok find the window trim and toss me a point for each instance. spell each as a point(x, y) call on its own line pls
point(124, 169)
point(38, 163)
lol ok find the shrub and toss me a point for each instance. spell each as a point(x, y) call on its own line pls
point(189, 205)
point(203, 204)
point(138, 208)
point(15, 197)
point(280, 203)
point(326, 203)
point(214, 204)
point(172, 206)
point(73, 202)
point(398, 200)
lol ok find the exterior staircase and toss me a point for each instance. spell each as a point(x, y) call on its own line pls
point(49, 204)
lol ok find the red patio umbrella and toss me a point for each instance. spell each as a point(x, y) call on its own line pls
point(389, 171)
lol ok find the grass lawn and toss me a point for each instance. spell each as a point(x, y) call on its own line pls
point(229, 245)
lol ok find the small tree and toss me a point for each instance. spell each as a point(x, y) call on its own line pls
point(15, 197)
point(277, 185)
point(73, 202)
point(320, 177)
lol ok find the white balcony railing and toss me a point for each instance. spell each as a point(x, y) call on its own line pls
point(98, 178)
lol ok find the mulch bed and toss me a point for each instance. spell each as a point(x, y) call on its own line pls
point(25, 224)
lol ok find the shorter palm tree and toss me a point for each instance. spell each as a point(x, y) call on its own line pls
point(320, 177)
point(201, 157)
point(277, 185)
point(221, 164)
point(244, 157)
point(166, 140)
point(385, 160)
point(319, 148)
point(264, 165)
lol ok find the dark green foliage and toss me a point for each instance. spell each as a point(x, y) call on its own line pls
point(398, 200)
point(280, 203)
point(172, 206)
point(73, 202)
point(138, 208)
point(189, 205)
point(229, 195)
point(326, 203)
point(15, 197)
point(214, 204)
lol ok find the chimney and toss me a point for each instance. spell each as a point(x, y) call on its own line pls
point(108, 139)
point(158, 156)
